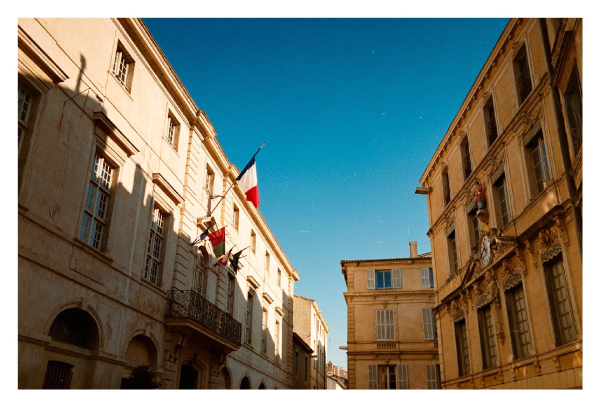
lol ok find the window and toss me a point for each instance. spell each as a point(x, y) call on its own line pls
point(490, 122)
point(123, 67)
point(446, 187)
point(253, 241)
point(517, 320)
point(386, 325)
point(501, 198)
point(264, 331)
point(155, 244)
point(58, 375)
point(199, 275)
point(473, 225)
point(433, 376)
point(488, 342)
point(278, 277)
point(560, 303)
point(230, 290)
point(236, 217)
point(522, 76)
point(209, 181)
point(25, 107)
point(462, 348)
point(95, 215)
point(382, 279)
point(388, 377)
point(574, 109)
point(276, 338)
point(172, 131)
point(267, 261)
point(305, 367)
point(429, 329)
point(537, 162)
point(75, 327)
point(466, 158)
point(249, 306)
point(296, 363)
point(426, 277)
point(452, 255)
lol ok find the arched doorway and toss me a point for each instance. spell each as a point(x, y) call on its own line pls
point(262, 387)
point(245, 385)
point(188, 378)
point(224, 379)
point(141, 351)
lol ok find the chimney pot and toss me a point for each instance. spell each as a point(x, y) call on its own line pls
point(413, 249)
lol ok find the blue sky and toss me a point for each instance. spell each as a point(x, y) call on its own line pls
point(351, 109)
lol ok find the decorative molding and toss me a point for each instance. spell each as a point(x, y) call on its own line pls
point(485, 96)
point(279, 311)
point(516, 48)
point(253, 282)
point(37, 54)
point(267, 298)
point(512, 281)
point(159, 180)
point(549, 244)
point(459, 315)
point(101, 120)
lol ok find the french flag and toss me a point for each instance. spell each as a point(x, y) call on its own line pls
point(249, 183)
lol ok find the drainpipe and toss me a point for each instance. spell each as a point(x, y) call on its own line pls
point(562, 137)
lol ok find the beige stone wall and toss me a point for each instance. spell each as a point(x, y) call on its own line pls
point(79, 109)
point(536, 220)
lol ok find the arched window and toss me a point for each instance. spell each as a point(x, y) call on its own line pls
point(75, 327)
point(245, 383)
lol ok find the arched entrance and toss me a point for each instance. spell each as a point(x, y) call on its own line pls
point(245, 385)
point(188, 378)
point(224, 379)
point(262, 387)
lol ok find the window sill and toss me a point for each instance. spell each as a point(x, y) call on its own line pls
point(91, 250)
point(171, 145)
point(127, 91)
point(153, 287)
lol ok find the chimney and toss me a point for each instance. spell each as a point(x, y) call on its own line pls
point(413, 249)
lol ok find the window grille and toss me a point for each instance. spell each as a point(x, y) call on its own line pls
point(488, 341)
point(560, 304)
point(58, 375)
point(96, 204)
point(155, 243)
point(462, 347)
point(519, 326)
point(121, 68)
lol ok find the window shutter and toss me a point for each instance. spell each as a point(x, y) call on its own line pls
point(379, 323)
point(427, 324)
point(431, 277)
point(424, 277)
point(396, 278)
point(402, 377)
point(391, 325)
point(373, 377)
point(370, 279)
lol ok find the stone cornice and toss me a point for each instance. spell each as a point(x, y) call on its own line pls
point(159, 180)
point(30, 47)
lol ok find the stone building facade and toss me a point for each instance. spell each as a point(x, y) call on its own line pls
point(504, 199)
point(119, 173)
point(310, 326)
point(302, 363)
point(392, 341)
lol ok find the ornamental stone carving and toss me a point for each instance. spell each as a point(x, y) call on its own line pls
point(459, 315)
point(512, 281)
point(549, 244)
point(485, 96)
point(491, 291)
point(516, 48)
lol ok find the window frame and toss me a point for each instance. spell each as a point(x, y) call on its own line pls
point(236, 217)
point(501, 195)
point(172, 130)
point(536, 155)
point(125, 79)
point(429, 325)
point(253, 241)
point(523, 77)
point(559, 337)
point(467, 164)
point(462, 347)
point(385, 324)
point(453, 265)
point(518, 318)
point(249, 312)
point(574, 114)
point(490, 124)
point(265, 330)
point(432, 375)
point(151, 258)
point(487, 336)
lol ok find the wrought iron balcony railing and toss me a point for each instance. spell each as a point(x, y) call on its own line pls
point(190, 304)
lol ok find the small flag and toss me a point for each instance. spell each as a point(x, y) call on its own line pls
point(248, 181)
point(235, 261)
point(217, 239)
point(223, 260)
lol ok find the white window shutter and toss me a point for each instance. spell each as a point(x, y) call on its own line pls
point(424, 277)
point(427, 324)
point(370, 279)
point(379, 323)
point(396, 278)
point(391, 325)
point(402, 377)
point(373, 377)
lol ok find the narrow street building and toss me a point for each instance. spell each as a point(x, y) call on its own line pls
point(119, 173)
point(504, 200)
point(392, 340)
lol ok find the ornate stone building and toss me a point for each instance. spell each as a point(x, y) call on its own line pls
point(310, 327)
point(504, 198)
point(392, 341)
point(119, 173)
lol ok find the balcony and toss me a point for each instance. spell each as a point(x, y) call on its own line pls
point(189, 312)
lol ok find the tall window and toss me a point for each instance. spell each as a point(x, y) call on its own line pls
point(452, 255)
point(236, 217)
point(488, 341)
point(383, 377)
point(296, 363)
point(560, 303)
point(386, 325)
point(155, 244)
point(537, 162)
point(462, 348)
point(305, 368)
point(574, 109)
point(58, 375)
point(517, 320)
point(96, 203)
point(25, 106)
point(433, 376)
point(446, 187)
point(172, 131)
point(230, 291)
point(253, 241)
point(501, 197)
point(466, 158)
point(277, 326)
point(249, 306)
point(490, 122)
point(267, 261)
point(199, 275)
point(278, 277)
point(123, 67)
point(473, 224)
point(264, 331)
point(429, 329)
point(522, 75)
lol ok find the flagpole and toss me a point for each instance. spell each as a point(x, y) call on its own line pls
point(234, 182)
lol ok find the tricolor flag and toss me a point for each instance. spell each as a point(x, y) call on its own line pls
point(235, 261)
point(223, 260)
point(217, 239)
point(248, 182)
